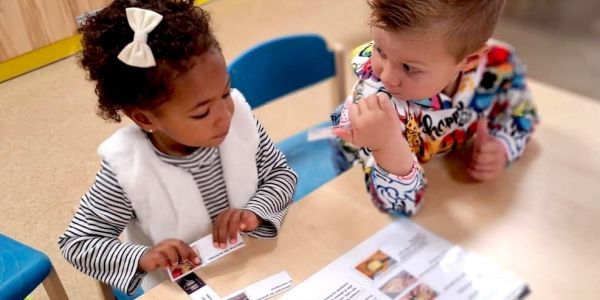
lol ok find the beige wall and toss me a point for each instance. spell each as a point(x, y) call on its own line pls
point(570, 15)
point(26, 25)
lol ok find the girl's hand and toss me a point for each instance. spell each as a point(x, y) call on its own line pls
point(489, 158)
point(167, 253)
point(229, 222)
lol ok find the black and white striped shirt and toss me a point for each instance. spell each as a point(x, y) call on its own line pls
point(91, 242)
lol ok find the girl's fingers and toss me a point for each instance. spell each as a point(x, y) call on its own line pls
point(185, 251)
point(220, 229)
point(249, 221)
point(234, 225)
point(170, 251)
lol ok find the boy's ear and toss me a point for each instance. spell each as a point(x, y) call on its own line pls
point(472, 60)
point(142, 118)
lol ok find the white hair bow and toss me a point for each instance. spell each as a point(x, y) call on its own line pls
point(138, 53)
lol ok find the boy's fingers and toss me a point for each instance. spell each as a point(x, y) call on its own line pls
point(354, 114)
point(384, 101)
point(367, 103)
point(484, 175)
point(485, 157)
point(362, 107)
point(482, 131)
point(492, 167)
point(479, 175)
point(489, 146)
point(372, 102)
point(345, 134)
point(482, 127)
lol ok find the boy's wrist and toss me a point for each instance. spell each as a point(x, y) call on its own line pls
point(392, 140)
point(395, 158)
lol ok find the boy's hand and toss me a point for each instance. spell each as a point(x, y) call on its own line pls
point(167, 253)
point(488, 159)
point(229, 222)
point(375, 124)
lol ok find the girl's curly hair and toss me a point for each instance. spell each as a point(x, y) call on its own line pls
point(184, 32)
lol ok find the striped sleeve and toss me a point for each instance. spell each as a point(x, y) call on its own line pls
point(91, 242)
point(276, 186)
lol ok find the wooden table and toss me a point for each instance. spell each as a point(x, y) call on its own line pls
point(541, 219)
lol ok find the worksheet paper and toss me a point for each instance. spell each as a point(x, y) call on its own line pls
point(405, 261)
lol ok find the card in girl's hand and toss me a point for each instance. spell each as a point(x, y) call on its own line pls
point(184, 266)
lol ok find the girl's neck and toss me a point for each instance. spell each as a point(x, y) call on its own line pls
point(167, 146)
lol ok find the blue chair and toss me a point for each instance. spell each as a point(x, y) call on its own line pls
point(108, 292)
point(291, 63)
point(23, 268)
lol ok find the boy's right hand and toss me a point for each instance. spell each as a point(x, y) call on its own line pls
point(167, 253)
point(374, 124)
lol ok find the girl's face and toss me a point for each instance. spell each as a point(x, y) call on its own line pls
point(199, 111)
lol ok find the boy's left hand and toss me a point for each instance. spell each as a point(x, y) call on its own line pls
point(229, 222)
point(488, 159)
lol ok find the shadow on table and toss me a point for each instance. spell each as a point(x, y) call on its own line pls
point(457, 206)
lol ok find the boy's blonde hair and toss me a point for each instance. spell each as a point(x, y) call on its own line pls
point(470, 22)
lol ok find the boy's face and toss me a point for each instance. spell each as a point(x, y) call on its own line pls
point(199, 111)
point(413, 65)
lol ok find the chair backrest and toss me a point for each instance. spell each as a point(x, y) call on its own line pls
point(283, 65)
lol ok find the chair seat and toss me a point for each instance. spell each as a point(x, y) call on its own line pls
point(119, 295)
point(315, 169)
point(296, 61)
point(22, 268)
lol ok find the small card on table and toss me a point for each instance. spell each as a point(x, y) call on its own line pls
point(207, 252)
point(195, 287)
point(264, 289)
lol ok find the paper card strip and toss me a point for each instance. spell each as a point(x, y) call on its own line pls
point(195, 287)
point(264, 289)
